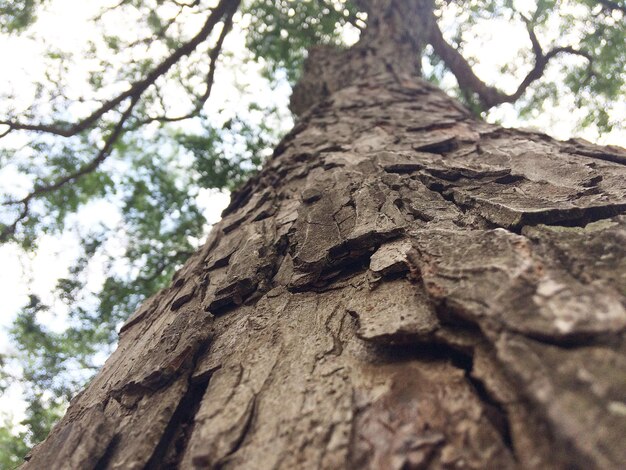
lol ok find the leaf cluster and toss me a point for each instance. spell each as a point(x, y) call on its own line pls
point(17, 15)
point(281, 31)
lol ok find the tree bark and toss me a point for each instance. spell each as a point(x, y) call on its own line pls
point(402, 286)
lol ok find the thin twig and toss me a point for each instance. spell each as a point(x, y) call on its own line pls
point(225, 7)
point(202, 99)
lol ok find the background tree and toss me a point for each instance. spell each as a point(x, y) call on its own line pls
point(132, 126)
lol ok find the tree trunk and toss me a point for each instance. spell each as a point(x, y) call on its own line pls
point(402, 286)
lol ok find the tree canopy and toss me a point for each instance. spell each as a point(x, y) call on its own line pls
point(125, 124)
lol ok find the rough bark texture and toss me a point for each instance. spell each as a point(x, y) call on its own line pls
point(401, 287)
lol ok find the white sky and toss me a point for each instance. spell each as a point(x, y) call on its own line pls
point(65, 25)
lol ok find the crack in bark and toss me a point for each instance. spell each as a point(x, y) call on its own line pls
point(249, 413)
point(103, 462)
point(174, 440)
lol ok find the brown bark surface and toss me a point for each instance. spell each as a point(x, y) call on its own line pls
point(402, 286)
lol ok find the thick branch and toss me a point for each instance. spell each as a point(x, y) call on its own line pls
point(225, 7)
point(461, 69)
point(490, 96)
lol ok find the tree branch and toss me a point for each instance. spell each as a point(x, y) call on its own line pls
point(225, 7)
point(454, 60)
point(93, 164)
point(85, 169)
point(195, 3)
point(202, 99)
point(490, 96)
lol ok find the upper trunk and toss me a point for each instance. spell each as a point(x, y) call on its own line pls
point(396, 34)
point(400, 287)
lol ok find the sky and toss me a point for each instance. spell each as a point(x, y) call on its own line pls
point(65, 25)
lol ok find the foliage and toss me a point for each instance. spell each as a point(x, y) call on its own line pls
point(13, 446)
point(16, 15)
point(280, 31)
point(589, 64)
point(117, 140)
